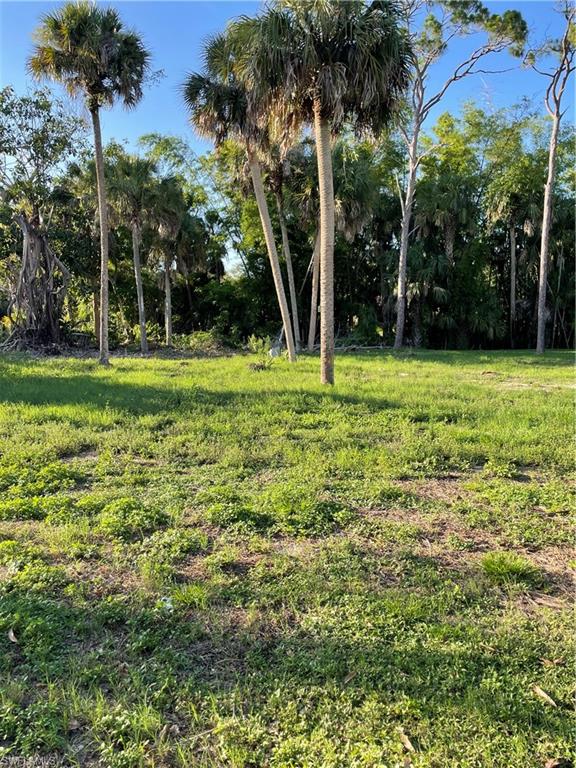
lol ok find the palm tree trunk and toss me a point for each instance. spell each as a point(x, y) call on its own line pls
point(103, 215)
point(512, 234)
point(314, 300)
point(545, 242)
point(256, 174)
point(139, 287)
point(289, 269)
point(403, 260)
point(326, 190)
point(96, 313)
point(167, 302)
point(450, 239)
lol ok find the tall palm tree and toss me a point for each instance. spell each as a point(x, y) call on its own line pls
point(86, 48)
point(169, 214)
point(325, 63)
point(132, 189)
point(218, 103)
point(278, 169)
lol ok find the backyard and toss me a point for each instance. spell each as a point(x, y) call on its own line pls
point(218, 562)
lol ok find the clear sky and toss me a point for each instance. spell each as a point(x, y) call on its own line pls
point(174, 32)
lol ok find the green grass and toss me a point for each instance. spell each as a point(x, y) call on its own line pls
point(203, 564)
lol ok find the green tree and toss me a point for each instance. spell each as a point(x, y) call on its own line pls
point(430, 31)
point(326, 63)
point(558, 76)
point(86, 47)
point(133, 191)
point(37, 136)
point(218, 103)
point(169, 213)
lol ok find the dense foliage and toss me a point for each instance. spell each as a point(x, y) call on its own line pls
point(438, 237)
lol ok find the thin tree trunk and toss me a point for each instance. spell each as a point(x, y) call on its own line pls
point(272, 253)
point(545, 242)
point(96, 313)
point(403, 260)
point(512, 233)
point(289, 270)
point(314, 299)
point(557, 302)
point(167, 302)
point(326, 190)
point(103, 215)
point(139, 287)
point(450, 239)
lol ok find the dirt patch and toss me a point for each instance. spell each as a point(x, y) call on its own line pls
point(85, 454)
point(447, 489)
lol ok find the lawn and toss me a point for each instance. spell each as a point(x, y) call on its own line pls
point(202, 564)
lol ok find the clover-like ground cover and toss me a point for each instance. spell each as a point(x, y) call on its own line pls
point(203, 564)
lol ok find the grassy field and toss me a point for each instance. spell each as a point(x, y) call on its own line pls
point(203, 564)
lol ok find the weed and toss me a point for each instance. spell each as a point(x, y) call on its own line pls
point(510, 568)
point(126, 518)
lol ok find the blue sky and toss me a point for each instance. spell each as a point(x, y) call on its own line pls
point(174, 32)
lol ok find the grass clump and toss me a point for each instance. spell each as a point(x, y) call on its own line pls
point(21, 509)
point(164, 550)
point(227, 508)
point(126, 518)
point(297, 510)
point(22, 480)
point(16, 554)
point(505, 568)
point(36, 576)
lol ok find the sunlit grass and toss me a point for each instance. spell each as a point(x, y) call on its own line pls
point(203, 564)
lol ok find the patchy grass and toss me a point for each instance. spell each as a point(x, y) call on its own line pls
point(203, 564)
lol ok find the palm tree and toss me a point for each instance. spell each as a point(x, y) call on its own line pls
point(170, 211)
point(218, 103)
point(86, 48)
point(278, 169)
point(132, 189)
point(324, 63)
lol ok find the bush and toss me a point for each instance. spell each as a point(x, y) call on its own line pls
point(260, 348)
point(126, 518)
point(201, 343)
point(503, 568)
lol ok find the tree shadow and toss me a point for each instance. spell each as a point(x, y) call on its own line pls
point(139, 399)
point(126, 651)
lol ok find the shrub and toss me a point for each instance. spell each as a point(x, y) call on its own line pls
point(260, 348)
point(504, 568)
point(126, 518)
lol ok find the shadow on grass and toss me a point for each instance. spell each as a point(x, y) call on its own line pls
point(479, 358)
point(131, 653)
point(84, 389)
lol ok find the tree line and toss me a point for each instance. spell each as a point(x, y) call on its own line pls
point(391, 231)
